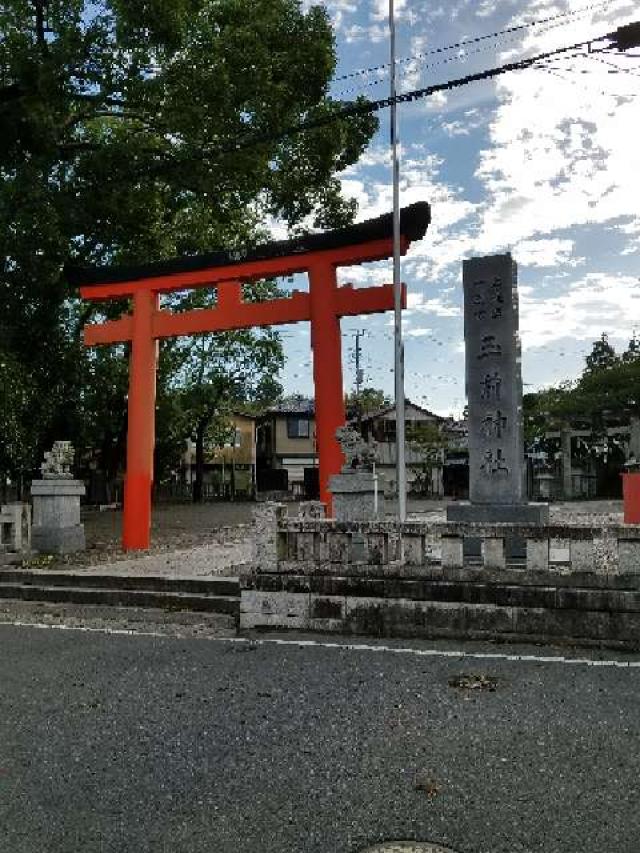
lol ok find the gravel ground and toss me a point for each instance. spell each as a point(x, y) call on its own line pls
point(186, 541)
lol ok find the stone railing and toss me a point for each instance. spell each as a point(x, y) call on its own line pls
point(547, 583)
point(312, 541)
point(15, 527)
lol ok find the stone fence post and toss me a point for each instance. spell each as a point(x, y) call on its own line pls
point(312, 510)
point(264, 542)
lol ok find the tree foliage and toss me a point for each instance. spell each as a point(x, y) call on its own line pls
point(609, 388)
point(135, 130)
point(368, 400)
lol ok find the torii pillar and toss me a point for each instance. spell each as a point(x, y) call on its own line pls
point(319, 255)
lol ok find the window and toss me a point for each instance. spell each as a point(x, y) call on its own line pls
point(389, 430)
point(297, 427)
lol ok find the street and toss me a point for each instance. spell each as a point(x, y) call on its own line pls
point(114, 742)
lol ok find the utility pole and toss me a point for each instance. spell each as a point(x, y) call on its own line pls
point(401, 474)
point(358, 358)
point(359, 373)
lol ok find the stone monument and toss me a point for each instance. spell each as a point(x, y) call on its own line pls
point(497, 484)
point(356, 492)
point(56, 504)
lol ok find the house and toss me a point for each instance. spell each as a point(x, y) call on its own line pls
point(422, 451)
point(229, 469)
point(433, 446)
point(287, 460)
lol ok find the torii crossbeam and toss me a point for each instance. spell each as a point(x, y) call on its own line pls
point(319, 255)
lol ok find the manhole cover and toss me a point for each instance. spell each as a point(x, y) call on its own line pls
point(408, 847)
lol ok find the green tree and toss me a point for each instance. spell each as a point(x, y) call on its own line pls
point(365, 402)
point(216, 373)
point(602, 355)
point(135, 130)
point(632, 352)
point(429, 441)
point(609, 388)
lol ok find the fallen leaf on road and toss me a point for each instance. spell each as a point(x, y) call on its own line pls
point(430, 788)
point(473, 681)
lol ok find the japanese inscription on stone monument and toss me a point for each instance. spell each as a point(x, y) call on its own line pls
point(494, 382)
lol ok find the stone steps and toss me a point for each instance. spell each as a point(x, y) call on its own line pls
point(468, 606)
point(218, 595)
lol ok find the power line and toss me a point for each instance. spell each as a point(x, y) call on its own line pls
point(617, 68)
point(561, 74)
point(367, 107)
point(463, 57)
point(364, 107)
point(476, 39)
point(554, 69)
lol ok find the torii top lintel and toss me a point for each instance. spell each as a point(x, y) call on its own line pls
point(359, 243)
point(319, 253)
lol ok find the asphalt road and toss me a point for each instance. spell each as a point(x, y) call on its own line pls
point(132, 743)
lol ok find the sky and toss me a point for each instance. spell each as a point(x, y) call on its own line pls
point(543, 162)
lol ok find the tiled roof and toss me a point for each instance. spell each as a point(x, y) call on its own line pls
point(388, 409)
point(295, 405)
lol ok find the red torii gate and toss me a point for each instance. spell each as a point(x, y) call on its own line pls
point(319, 255)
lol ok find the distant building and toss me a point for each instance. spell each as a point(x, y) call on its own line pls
point(229, 470)
point(430, 439)
point(287, 459)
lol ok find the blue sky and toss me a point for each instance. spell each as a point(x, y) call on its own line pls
point(544, 163)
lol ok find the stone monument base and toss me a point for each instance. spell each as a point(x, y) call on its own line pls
point(56, 516)
point(530, 513)
point(515, 548)
point(354, 496)
point(58, 540)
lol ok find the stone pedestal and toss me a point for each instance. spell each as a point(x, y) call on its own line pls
point(56, 515)
point(531, 513)
point(354, 496)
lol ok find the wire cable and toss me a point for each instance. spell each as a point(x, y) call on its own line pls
point(363, 107)
point(476, 39)
point(561, 74)
point(367, 107)
point(612, 65)
point(463, 57)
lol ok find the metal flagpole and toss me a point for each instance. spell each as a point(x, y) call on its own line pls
point(401, 474)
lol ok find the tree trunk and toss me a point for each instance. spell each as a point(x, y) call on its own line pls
point(197, 483)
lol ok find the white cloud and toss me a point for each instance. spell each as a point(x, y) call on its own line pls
point(374, 33)
point(435, 102)
point(595, 304)
point(417, 303)
point(445, 241)
point(455, 128)
point(632, 228)
point(577, 163)
point(546, 253)
point(417, 333)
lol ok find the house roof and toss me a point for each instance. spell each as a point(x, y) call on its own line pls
point(408, 404)
point(294, 405)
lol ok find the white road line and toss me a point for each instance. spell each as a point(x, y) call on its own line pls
point(353, 647)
